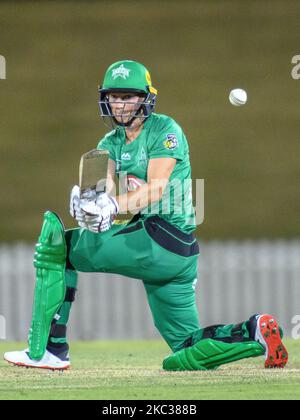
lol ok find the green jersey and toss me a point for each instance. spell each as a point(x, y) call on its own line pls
point(161, 137)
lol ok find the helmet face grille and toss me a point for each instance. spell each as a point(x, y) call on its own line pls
point(144, 110)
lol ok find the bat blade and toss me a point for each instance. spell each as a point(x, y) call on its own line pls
point(93, 171)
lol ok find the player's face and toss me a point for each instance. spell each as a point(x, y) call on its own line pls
point(124, 105)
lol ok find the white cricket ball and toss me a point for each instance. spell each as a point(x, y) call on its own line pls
point(238, 97)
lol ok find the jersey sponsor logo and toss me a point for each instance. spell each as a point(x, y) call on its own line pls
point(133, 182)
point(171, 143)
point(126, 156)
point(121, 71)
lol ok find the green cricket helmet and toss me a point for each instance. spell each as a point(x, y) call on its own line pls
point(127, 77)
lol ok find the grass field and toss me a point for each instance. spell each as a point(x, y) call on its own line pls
point(132, 370)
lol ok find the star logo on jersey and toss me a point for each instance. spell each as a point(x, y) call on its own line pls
point(171, 143)
point(143, 158)
point(121, 71)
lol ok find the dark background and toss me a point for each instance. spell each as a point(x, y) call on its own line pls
point(56, 54)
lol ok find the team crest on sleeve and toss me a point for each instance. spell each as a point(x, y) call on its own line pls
point(171, 142)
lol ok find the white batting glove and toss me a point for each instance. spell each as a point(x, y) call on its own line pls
point(100, 214)
point(75, 203)
point(75, 210)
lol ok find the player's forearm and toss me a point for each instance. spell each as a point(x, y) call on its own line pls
point(142, 197)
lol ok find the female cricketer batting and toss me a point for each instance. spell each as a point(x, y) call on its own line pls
point(156, 246)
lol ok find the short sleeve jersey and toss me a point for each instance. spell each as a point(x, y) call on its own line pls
point(160, 137)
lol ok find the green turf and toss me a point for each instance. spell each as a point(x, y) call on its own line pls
point(132, 370)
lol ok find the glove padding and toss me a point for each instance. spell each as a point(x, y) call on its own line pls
point(75, 210)
point(75, 202)
point(93, 211)
point(100, 213)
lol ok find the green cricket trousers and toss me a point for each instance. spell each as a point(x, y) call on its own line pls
point(152, 250)
point(165, 259)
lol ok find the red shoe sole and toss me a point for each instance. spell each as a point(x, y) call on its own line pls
point(36, 367)
point(277, 355)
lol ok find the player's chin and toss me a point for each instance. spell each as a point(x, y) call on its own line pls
point(123, 119)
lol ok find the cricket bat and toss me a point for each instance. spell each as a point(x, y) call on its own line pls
point(93, 169)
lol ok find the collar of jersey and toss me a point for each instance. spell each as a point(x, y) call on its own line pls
point(122, 129)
